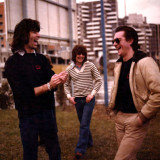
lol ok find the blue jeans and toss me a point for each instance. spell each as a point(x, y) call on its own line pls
point(84, 112)
point(43, 124)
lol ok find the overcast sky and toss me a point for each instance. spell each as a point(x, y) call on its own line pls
point(148, 8)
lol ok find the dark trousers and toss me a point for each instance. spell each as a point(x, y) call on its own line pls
point(84, 112)
point(43, 124)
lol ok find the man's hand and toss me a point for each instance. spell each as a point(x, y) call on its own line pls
point(140, 121)
point(89, 98)
point(55, 80)
point(63, 76)
point(58, 79)
point(71, 99)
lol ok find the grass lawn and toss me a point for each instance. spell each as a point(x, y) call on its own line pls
point(105, 145)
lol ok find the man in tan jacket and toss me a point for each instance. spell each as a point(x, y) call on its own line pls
point(135, 96)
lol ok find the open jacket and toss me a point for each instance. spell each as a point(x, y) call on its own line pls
point(144, 81)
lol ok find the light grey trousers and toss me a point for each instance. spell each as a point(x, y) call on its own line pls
point(130, 135)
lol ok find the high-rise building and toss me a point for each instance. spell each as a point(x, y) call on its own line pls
point(155, 42)
point(90, 34)
point(138, 22)
point(2, 25)
point(148, 34)
point(4, 54)
point(90, 28)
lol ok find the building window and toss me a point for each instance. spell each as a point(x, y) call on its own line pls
point(1, 23)
point(4, 60)
point(1, 30)
point(3, 74)
point(1, 15)
point(61, 60)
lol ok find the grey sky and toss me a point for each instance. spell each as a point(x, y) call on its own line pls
point(148, 8)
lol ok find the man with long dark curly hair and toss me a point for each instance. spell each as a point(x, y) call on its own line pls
point(86, 83)
point(33, 83)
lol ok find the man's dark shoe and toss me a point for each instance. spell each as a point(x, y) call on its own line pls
point(78, 156)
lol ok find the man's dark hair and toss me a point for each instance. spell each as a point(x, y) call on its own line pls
point(21, 33)
point(130, 33)
point(79, 49)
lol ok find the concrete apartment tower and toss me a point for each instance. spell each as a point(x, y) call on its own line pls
point(89, 28)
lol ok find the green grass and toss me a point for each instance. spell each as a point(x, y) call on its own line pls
point(105, 145)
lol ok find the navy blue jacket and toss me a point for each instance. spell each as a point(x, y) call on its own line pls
point(24, 73)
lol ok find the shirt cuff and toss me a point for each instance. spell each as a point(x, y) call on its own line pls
point(68, 96)
point(93, 93)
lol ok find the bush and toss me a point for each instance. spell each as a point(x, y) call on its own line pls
point(6, 96)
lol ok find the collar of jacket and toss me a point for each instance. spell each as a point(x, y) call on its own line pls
point(138, 55)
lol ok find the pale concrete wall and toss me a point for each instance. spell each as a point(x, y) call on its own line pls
point(13, 12)
point(31, 8)
point(54, 19)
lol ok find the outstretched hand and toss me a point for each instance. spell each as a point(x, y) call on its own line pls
point(63, 76)
point(57, 79)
